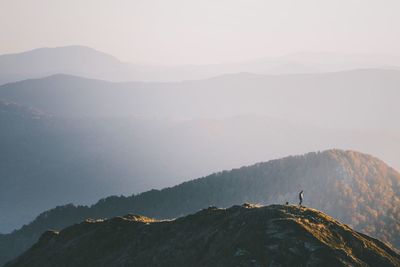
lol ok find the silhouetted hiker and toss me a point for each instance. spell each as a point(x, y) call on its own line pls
point(301, 197)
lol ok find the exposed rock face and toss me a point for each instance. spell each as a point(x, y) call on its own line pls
point(245, 235)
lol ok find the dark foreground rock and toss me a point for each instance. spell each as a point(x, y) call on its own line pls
point(245, 235)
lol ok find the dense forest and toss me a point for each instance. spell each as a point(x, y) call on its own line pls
point(354, 188)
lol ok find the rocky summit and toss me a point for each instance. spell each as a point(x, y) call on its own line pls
point(247, 235)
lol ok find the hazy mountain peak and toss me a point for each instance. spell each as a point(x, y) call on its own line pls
point(43, 53)
point(76, 60)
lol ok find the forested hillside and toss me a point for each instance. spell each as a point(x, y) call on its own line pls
point(358, 189)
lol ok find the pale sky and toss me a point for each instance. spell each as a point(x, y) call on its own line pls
point(202, 31)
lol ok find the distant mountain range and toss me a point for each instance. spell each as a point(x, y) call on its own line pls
point(87, 62)
point(77, 60)
point(88, 131)
point(70, 139)
point(355, 188)
point(246, 235)
point(365, 99)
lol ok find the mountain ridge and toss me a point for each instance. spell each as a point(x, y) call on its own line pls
point(334, 181)
point(89, 62)
point(225, 96)
point(246, 235)
point(141, 153)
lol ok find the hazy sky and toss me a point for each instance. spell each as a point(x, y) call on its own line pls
point(203, 31)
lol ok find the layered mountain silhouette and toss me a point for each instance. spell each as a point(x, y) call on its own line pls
point(245, 235)
point(77, 60)
point(96, 138)
point(49, 161)
point(77, 140)
point(88, 62)
point(355, 188)
point(354, 99)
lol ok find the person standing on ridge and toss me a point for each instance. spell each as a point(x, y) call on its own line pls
point(301, 195)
